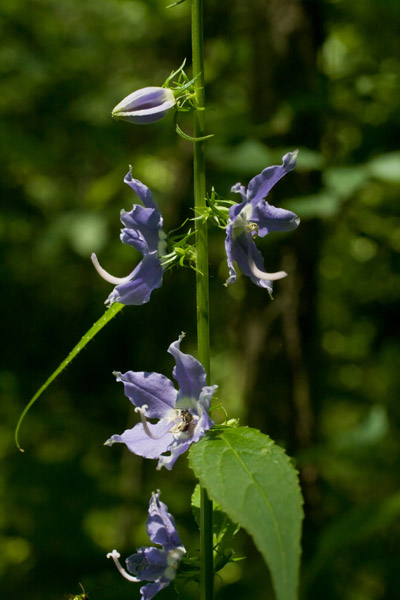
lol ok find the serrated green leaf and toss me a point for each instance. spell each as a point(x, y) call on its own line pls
point(255, 484)
point(89, 335)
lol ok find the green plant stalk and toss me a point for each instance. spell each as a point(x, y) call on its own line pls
point(202, 291)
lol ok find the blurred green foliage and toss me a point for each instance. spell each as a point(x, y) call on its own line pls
point(316, 369)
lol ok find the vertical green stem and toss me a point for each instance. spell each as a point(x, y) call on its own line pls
point(202, 292)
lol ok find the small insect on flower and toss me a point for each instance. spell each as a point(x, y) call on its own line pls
point(185, 421)
point(83, 596)
point(182, 416)
point(253, 229)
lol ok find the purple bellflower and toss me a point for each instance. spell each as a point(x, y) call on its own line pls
point(255, 217)
point(183, 416)
point(147, 105)
point(143, 230)
point(158, 565)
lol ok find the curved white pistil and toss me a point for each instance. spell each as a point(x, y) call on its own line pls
point(103, 273)
point(266, 276)
point(115, 556)
point(141, 412)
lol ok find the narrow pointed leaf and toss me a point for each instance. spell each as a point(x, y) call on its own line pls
point(255, 484)
point(89, 335)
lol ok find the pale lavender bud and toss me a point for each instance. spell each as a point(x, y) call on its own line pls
point(146, 105)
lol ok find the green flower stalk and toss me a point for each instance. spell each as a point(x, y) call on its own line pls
point(202, 288)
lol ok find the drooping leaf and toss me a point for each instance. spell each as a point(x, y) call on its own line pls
point(255, 484)
point(89, 335)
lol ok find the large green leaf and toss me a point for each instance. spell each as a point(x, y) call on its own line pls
point(254, 482)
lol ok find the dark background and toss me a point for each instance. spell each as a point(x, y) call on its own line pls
point(316, 369)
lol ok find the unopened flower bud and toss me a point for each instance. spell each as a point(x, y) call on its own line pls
point(146, 105)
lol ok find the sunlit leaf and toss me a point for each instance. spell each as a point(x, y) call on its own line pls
point(255, 484)
point(386, 167)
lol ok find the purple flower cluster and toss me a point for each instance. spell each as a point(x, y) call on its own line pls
point(182, 415)
point(170, 419)
point(158, 565)
point(251, 218)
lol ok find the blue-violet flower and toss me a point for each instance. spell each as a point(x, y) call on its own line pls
point(183, 416)
point(255, 217)
point(158, 565)
point(143, 230)
point(147, 105)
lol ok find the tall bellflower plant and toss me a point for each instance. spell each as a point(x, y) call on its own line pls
point(241, 472)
